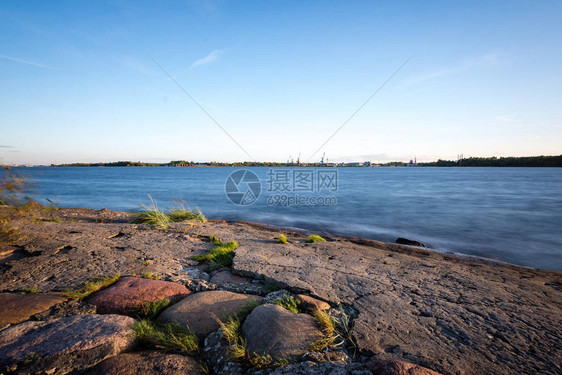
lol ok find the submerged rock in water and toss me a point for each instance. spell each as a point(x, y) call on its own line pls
point(405, 241)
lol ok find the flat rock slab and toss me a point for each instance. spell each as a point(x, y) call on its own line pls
point(382, 367)
point(202, 311)
point(273, 330)
point(129, 293)
point(147, 362)
point(64, 345)
point(451, 315)
point(225, 280)
point(16, 308)
point(326, 368)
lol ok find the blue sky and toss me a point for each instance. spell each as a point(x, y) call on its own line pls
point(79, 85)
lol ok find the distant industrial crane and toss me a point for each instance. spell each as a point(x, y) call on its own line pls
point(299, 159)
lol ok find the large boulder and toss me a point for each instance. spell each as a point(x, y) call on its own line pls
point(270, 329)
point(16, 308)
point(392, 367)
point(147, 362)
point(201, 312)
point(64, 345)
point(130, 293)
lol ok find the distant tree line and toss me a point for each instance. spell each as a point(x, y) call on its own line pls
point(524, 161)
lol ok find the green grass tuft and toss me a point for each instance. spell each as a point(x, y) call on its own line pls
point(215, 240)
point(220, 256)
point(282, 239)
point(315, 238)
point(289, 303)
point(92, 286)
point(150, 275)
point(158, 219)
point(328, 327)
point(31, 290)
point(166, 336)
point(153, 217)
point(8, 234)
point(151, 310)
point(237, 346)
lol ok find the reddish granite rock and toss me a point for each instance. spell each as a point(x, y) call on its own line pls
point(64, 345)
point(147, 362)
point(382, 367)
point(310, 303)
point(129, 293)
point(16, 308)
point(202, 311)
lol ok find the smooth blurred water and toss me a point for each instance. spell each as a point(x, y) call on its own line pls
point(509, 214)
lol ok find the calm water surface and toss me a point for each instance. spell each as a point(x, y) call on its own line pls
point(510, 214)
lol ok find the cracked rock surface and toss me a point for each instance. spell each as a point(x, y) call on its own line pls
point(449, 314)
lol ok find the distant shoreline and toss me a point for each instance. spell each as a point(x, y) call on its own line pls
point(523, 161)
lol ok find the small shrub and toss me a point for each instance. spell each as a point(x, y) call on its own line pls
point(220, 256)
point(315, 238)
point(344, 331)
point(92, 286)
point(282, 239)
point(289, 303)
point(168, 336)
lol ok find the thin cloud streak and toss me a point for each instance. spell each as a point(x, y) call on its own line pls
point(4, 146)
point(210, 58)
point(25, 62)
point(490, 59)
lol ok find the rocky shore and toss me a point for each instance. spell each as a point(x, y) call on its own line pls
point(86, 291)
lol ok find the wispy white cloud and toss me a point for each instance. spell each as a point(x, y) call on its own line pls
point(210, 58)
point(490, 59)
point(25, 62)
